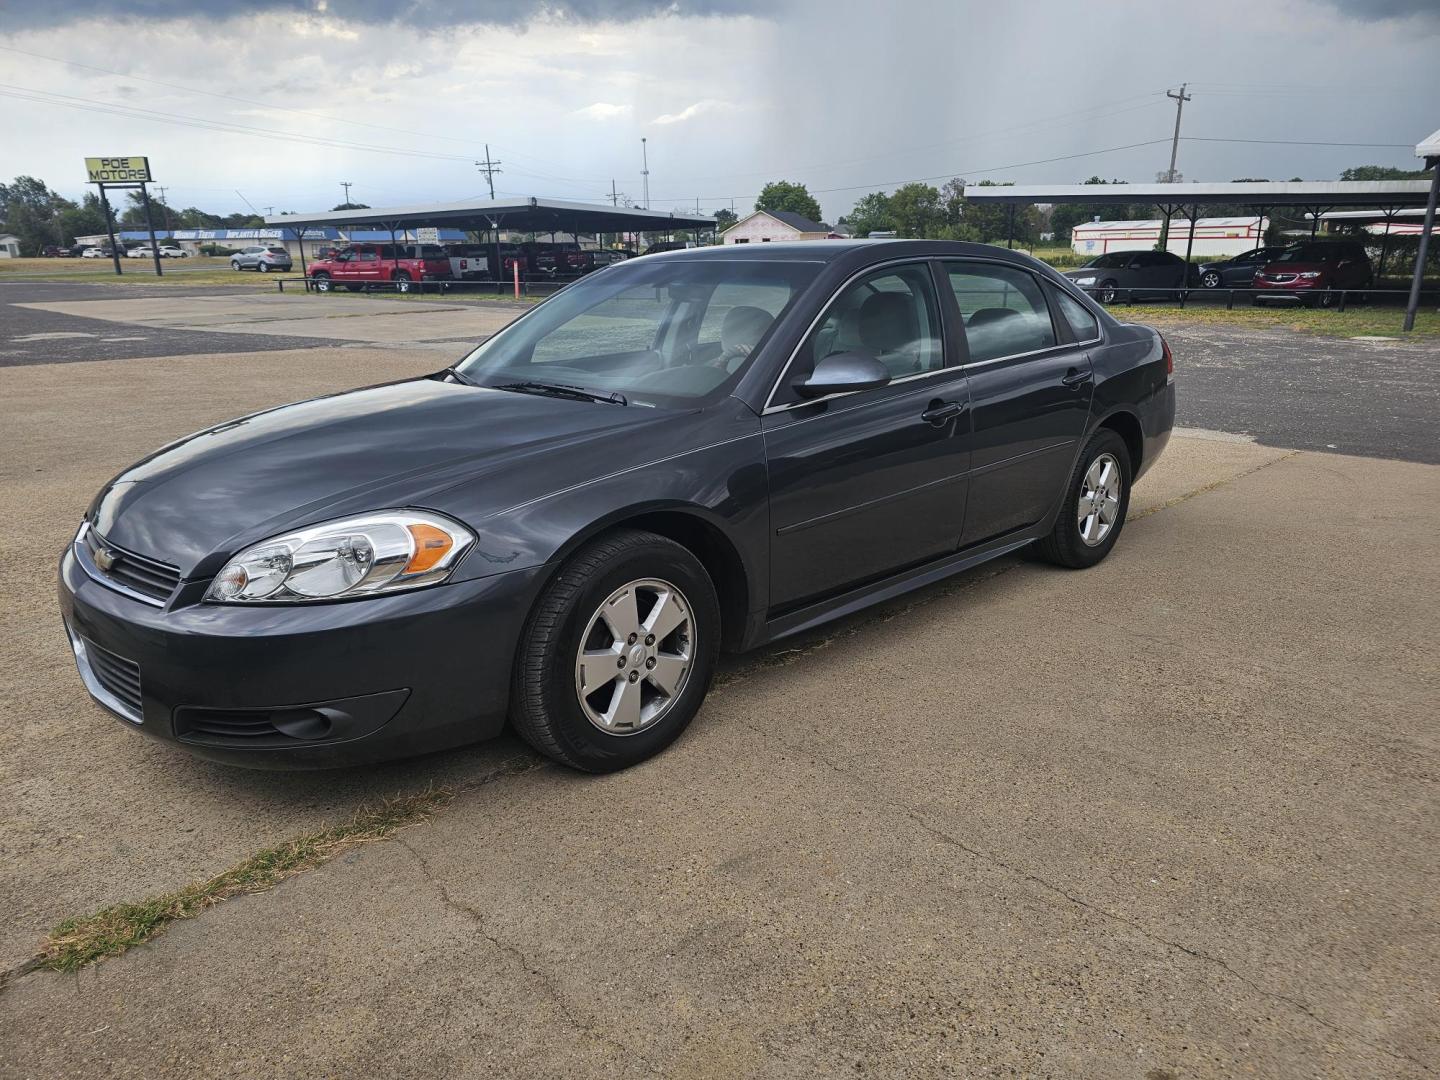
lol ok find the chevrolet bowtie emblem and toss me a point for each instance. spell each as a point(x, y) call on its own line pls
point(105, 558)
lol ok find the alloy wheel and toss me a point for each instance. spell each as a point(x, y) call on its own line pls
point(635, 657)
point(1098, 507)
point(1210, 280)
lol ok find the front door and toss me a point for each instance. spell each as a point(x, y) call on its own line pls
point(868, 483)
point(1030, 388)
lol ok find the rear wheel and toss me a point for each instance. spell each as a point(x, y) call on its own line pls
point(1096, 500)
point(617, 654)
point(264, 267)
point(402, 282)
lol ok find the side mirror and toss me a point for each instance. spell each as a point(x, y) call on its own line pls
point(841, 373)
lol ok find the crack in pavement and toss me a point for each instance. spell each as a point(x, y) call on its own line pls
point(584, 1025)
point(859, 779)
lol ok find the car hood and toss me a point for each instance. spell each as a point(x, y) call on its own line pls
point(195, 502)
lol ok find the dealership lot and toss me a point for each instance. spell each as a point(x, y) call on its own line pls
point(1186, 828)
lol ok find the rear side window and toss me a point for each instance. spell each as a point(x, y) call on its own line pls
point(1082, 323)
point(1003, 308)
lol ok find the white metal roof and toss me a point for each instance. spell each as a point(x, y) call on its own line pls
point(524, 213)
point(1428, 148)
point(1154, 223)
point(1250, 193)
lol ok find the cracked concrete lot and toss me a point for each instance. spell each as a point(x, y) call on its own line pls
point(1172, 817)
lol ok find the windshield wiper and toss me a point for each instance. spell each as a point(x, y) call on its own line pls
point(577, 393)
point(459, 376)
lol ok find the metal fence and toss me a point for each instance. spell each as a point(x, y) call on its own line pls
point(448, 287)
point(1333, 299)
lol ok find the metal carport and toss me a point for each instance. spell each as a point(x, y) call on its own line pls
point(1184, 200)
point(529, 214)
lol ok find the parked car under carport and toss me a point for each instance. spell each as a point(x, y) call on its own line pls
point(1133, 275)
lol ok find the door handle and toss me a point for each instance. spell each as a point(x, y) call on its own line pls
point(942, 412)
point(1075, 378)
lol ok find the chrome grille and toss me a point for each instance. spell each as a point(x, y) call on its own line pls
point(146, 576)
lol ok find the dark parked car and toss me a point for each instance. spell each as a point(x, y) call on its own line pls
point(1133, 275)
point(1312, 273)
point(672, 455)
point(1238, 271)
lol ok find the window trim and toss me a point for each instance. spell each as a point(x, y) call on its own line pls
point(924, 261)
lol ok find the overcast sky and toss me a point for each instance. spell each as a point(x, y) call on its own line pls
point(844, 96)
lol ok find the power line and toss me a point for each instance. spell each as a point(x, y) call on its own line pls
point(1300, 142)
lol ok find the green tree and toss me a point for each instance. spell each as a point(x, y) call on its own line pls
point(724, 218)
point(87, 219)
point(1065, 216)
point(1380, 172)
point(871, 214)
point(915, 209)
point(351, 206)
point(30, 210)
point(989, 222)
point(785, 195)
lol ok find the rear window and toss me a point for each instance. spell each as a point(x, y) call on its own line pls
point(275, 249)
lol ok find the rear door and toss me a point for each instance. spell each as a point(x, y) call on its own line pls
point(865, 484)
point(1030, 387)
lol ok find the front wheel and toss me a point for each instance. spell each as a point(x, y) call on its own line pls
point(234, 265)
point(1096, 500)
point(322, 282)
point(616, 657)
point(1210, 279)
point(1108, 293)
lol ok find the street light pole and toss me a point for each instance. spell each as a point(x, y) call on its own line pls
point(645, 170)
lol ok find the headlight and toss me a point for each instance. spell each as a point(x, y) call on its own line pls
point(357, 556)
point(1310, 275)
point(1085, 280)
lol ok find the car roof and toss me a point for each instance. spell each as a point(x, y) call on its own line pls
point(833, 250)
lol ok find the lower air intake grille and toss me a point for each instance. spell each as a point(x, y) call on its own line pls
point(116, 674)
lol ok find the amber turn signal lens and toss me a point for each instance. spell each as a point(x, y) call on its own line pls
point(431, 544)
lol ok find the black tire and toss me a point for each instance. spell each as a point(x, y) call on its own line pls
point(322, 282)
point(402, 282)
point(264, 268)
point(1107, 293)
point(544, 702)
point(1210, 279)
point(1064, 546)
point(234, 265)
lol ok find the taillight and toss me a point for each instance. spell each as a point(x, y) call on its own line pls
point(1169, 356)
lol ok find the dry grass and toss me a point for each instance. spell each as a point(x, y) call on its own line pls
point(1352, 322)
point(87, 939)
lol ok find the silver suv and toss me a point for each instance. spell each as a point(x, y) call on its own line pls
point(264, 257)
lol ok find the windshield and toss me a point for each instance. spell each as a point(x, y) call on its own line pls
point(662, 332)
point(1111, 261)
point(1309, 253)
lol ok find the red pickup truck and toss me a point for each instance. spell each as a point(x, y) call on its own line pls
point(362, 265)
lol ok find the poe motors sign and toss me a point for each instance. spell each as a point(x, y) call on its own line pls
point(123, 173)
point(118, 170)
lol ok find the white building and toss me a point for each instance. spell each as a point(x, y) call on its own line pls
point(767, 226)
point(9, 246)
point(1213, 236)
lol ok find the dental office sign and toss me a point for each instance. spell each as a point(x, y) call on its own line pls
point(118, 170)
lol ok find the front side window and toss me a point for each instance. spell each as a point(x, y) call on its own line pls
point(1003, 308)
point(660, 332)
point(891, 314)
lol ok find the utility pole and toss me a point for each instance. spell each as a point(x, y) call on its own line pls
point(614, 195)
point(645, 170)
point(270, 211)
point(164, 205)
point(346, 185)
point(489, 168)
point(1170, 175)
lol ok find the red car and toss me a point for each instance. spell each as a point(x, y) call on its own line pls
point(1314, 272)
point(362, 265)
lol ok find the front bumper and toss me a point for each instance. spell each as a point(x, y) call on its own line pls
point(304, 686)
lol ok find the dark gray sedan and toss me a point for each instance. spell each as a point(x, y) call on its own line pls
point(1133, 275)
point(713, 448)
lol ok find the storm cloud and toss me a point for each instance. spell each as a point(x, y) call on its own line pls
point(417, 14)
